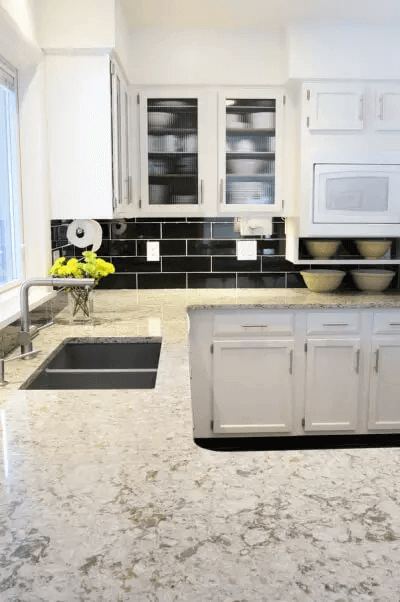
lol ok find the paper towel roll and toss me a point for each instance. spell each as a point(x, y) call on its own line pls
point(85, 232)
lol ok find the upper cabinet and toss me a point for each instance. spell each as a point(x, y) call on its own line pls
point(338, 106)
point(87, 111)
point(209, 152)
point(351, 106)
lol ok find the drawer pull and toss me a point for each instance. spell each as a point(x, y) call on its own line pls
point(291, 362)
point(357, 361)
point(254, 325)
point(336, 324)
point(376, 360)
point(394, 323)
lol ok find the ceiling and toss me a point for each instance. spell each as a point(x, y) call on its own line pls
point(256, 14)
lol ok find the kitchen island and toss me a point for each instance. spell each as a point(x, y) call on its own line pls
point(105, 496)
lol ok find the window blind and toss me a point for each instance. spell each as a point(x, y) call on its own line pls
point(8, 75)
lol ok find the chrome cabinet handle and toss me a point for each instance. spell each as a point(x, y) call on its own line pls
point(394, 323)
point(361, 107)
point(381, 107)
point(376, 360)
point(254, 325)
point(357, 361)
point(201, 191)
point(221, 191)
point(291, 362)
point(336, 324)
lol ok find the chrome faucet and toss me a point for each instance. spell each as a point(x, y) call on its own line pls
point(25, 334)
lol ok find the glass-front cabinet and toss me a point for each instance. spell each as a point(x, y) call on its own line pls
point(207, 152)
point(172, 169)
point(249, 153)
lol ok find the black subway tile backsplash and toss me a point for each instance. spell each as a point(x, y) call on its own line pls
point(195, 252)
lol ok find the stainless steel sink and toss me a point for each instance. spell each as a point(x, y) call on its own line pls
point(99, 363)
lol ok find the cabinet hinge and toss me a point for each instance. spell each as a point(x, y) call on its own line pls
point(212, 425)
point(308, 94)
point(308, 122)
point(284, 100)
point(305, 347)
point(303, 422)
point(138, 99)
point(212, 348)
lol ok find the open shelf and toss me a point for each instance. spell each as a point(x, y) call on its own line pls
point(347, 253)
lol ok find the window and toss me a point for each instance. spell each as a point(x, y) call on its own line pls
point(10, 261)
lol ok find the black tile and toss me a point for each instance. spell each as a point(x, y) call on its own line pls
point(231, 264)
point(275, 280)
point(280, 264)
point(148, 281)
point(211, 280)
point(223, 230)
point(294, 280)
point(135, 230)
point(167, 247)
point(211, 247)
point(211, 219)
point(55, 222)
point(278, 230)
point(186, 230)
point(135, 264)
point(271, 246)
point(160, 219)
point(105, 226)
point(186, 264)
point(117, 281)
point(123, 247)
point(68, 251)
point(104, 248)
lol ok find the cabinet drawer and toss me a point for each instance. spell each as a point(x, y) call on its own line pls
point(254, 322)
point(333, 323)
point(386, 322)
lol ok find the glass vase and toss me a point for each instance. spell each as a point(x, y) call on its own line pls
point(80, 303)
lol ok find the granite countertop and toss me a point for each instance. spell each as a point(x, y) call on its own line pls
point(105, 497)
point(299, 298)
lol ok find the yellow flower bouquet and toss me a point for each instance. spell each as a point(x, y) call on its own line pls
point(90, 266)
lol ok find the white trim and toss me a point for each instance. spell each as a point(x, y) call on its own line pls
point(10, 304)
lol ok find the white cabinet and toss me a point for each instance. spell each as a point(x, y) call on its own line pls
point(253, 386)
point(208, 152)
point(387, 108)
point(384, 395)
point(332, 384)
point(87, 122)
point(334, 106)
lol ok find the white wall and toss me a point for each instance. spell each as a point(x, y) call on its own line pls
point(75, 23)
point(351, 50)
point(206, 56)
point(17, 33)
point(33, 153)
point(122, 36)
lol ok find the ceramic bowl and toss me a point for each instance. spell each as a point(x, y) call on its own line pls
point(322, 281)
point(373, 249)
point(372, 281)
point(159, 119)
point(244, 166)
point(322, 249)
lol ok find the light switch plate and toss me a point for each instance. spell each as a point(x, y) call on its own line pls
point(246, 250)
point(153, 250)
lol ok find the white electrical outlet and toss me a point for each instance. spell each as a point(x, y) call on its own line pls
point(153, 250)
point(246, 250)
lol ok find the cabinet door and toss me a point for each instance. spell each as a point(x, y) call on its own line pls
point(384, 396)
point(334, 107)
point(253, 386)
point(249, 151)
point(332, 384)
point(122, 189)
point(387, 108)
point(173, 144)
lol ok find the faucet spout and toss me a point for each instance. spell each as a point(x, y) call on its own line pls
point(26, 342)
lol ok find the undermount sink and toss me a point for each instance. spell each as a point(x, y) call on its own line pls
point(99, 363)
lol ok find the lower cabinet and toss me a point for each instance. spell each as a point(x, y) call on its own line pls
point(332, 384)
point(384, 384)
point(253, 386)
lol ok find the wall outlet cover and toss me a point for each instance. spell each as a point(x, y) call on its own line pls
point(246, 250)
point(153, 250)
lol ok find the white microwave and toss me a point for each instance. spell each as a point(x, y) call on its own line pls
point(356, 193)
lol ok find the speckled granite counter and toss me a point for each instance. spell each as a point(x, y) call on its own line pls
point(105, 497)
point(294, 298)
